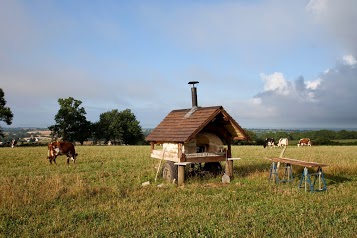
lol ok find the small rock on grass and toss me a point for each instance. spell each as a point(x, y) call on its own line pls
point(145, 183)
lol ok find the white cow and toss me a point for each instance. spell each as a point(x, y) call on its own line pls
point(283, 142)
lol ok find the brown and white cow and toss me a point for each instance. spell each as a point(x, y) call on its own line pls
point(304, 141)
point(61, 148)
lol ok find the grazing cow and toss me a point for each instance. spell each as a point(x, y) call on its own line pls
point(304, 141)
point(13, 143)
point(269, 142)
point(61, 148)
point(283, 142)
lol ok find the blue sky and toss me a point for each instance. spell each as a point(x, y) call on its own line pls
point(270, 64)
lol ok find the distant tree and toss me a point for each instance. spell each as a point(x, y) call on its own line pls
point(283, 134)
point(83, 131)
point(322, 141)
point(71, 123)
point(131, 130)
point(270, 134)
point(324, 135)
point(119, 126)
point(343, 134)
point(253, 137)
point(105, 127)
point(5, 112)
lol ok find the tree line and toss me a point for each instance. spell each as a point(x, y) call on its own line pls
point(318, 137)
point(6, 114)
point(118, 127)
point(71, 124)
point(122, 127)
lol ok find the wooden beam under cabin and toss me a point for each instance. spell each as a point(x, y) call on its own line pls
point(229, 151)
point(152, 145)
point(179, 152)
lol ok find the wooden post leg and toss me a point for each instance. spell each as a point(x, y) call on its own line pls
point(229, 168)
point(181, 175)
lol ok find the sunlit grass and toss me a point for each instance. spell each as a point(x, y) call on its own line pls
point(102, 196)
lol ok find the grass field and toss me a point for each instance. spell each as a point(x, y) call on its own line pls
point(102, 196)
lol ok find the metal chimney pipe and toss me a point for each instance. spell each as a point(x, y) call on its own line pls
point(194, 93)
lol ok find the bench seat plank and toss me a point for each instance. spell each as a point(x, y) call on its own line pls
point(297, 162)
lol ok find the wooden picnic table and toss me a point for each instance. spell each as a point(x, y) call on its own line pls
point(305, 177)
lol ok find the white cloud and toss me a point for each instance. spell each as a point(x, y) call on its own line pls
point(275, 82)
point(326, 101)
point(349, 60)
point(313, 85)
point(326, 71)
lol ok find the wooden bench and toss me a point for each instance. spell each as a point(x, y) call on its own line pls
point(305, 180)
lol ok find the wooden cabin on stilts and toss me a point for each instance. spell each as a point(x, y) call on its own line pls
point(195, 135)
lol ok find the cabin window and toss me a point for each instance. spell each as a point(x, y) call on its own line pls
point(201, 149)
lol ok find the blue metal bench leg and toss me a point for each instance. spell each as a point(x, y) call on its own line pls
point(305, 177)
point(323, 180)
point(288, 173)
point(273, 173)
point(319, 175)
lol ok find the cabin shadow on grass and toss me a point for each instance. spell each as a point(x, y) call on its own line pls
point(205, 171)
point(238, 171)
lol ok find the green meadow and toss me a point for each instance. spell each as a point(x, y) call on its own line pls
point(102, 196)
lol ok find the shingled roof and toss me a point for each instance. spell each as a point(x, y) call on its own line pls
point(181, 126)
